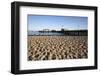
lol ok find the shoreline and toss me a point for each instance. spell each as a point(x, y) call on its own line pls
point(57, 47)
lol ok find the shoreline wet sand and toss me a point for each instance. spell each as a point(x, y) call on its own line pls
point(57, 47)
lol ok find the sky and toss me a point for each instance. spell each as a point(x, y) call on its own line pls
point(40, 22)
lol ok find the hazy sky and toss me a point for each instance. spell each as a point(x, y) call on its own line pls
point(40, 22)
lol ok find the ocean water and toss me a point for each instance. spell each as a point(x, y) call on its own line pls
point(44, 33)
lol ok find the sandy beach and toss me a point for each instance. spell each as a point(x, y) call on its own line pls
point(57, 47)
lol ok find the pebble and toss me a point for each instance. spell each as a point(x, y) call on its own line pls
point(57, 47)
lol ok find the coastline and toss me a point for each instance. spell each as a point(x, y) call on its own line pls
point(57, 47)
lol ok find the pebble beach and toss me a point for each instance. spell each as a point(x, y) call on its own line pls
point(57, 47)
